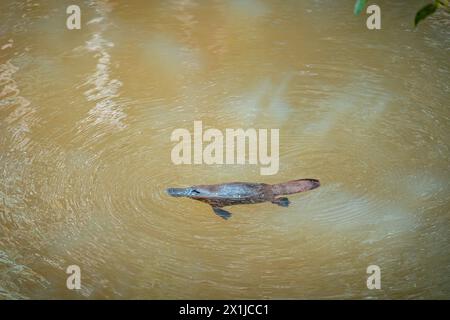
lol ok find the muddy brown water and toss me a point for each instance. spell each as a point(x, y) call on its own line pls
point(85, 123)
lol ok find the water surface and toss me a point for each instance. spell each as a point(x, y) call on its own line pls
point(85, 123)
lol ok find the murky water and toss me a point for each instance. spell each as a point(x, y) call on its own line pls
point(86, 117)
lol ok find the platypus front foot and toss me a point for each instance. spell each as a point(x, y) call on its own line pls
point(222, 213)
point(283, 202)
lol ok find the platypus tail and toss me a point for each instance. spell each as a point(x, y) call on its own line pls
point(294, 186)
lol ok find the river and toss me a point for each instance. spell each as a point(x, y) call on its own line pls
point(86, 118)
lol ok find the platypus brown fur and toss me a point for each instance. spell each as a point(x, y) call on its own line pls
point(228, 194)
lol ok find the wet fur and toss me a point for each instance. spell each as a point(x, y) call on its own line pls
point(228, 194)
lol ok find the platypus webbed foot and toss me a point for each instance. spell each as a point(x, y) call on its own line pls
point(282, 202)
point(222, 213)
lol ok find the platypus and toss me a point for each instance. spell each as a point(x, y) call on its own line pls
point(228, 194)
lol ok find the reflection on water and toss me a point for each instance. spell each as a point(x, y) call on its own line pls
point(86, 117)
point(103, 89)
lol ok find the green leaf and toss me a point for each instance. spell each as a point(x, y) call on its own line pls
point(425, 12)
point(359, 6)
point(443, 3)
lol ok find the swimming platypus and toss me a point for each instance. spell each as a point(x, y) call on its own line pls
point(228, 194)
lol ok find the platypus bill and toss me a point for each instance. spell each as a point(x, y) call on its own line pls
point(228, 194)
